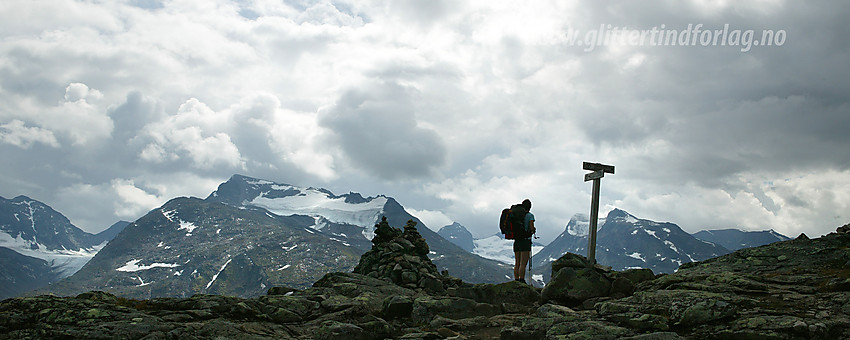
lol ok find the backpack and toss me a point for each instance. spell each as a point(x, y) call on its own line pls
point(512, 222)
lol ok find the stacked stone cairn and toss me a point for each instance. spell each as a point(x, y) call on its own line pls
point(401, 257)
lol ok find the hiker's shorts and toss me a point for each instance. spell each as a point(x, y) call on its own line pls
point(522, 245)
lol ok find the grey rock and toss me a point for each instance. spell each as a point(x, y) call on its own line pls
point(574, 285)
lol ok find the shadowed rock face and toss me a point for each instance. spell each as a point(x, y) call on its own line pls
point(796, 289)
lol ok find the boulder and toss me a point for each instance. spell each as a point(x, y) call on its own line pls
point(397, 307)
point(571, 286)
point(334, 330)
point(512, 292)
point(425, 308)
point(637, 276)
point(569, 260)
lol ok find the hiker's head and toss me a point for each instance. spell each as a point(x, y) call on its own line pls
point(527, 204)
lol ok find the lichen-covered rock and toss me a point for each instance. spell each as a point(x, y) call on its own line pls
point(571, 286)
point(397, 307)
point(425, 308)
point(639, 275)
point(508, 293)
point(569, 260)
point(700, 312)
point(334, 330)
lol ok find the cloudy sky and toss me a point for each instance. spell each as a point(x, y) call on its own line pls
point(456, 108)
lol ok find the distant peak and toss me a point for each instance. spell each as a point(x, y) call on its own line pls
point(354, 198)
point(22, 198)
point(619, 213)
point(579, 217)
point(454, 225)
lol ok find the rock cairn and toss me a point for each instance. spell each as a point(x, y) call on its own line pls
point(402, 258)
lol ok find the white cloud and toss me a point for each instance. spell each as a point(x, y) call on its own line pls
point(462, 107)
point(133, 200)
point(17, 134)
point(77, 117)
point(78, 91)
point(433, 219)
point(194, 132)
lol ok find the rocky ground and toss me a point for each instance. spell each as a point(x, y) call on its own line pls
point(798, 289)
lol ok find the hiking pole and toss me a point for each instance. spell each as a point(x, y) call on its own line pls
point(529, 255)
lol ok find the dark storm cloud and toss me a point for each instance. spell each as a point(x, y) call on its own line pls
point(375, 126)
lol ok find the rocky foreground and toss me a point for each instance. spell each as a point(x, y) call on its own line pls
point(798, 289)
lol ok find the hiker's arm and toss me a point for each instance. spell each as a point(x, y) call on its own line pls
point(531, 227)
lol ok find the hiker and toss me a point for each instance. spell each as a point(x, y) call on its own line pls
point(522, 246)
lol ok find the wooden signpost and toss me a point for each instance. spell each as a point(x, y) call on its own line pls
point(599, 171)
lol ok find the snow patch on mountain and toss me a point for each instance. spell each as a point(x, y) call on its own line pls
point(133, 266)
point(64, 262)
point(320, 205)
point(216, 274)
point(636, 255)
point(188, 226)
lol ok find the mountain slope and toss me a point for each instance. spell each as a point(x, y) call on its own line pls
point(191, 246)
point(36, 226)
point(40, 245)
point(459, 235)
point(734, 239)
point(249, 235)
point(352, 218)
point(109, 233)
point(20, 273)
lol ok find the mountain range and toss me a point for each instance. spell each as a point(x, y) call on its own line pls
point(734, 239)
point(252, 234)
point(39, 245)
point(623, 242)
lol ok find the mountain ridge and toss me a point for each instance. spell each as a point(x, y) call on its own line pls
point(250, 234)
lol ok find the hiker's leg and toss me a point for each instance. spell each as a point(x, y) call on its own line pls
point(517, 265)
point(523, 256)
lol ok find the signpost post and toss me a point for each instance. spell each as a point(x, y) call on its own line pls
point(599, 171)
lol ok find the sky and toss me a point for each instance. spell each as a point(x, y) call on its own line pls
point(716, 114)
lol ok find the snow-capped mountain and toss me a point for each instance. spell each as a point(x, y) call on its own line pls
point(573, 239)
point(251, 234)
point(43, 246)
point(734, 239)
point(328, 209)
point(459, 235)
point(625, 241)
point(579, 225)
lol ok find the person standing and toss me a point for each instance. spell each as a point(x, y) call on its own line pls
point(522, 244)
